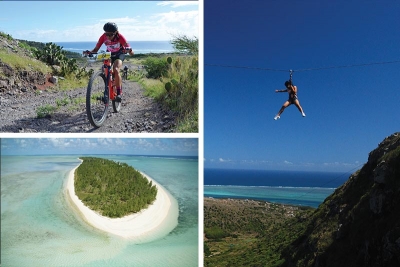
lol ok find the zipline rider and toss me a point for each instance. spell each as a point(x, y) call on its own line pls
point(292, 90)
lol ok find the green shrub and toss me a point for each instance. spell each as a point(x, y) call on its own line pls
point(182, 88)
point(186, 45)
point(53, 54)
point(156, 67)
point(62, 102)
point(207, 251)
point(44, 111)
point(215, 233)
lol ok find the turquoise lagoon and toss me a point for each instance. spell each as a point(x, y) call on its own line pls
point(39, 228)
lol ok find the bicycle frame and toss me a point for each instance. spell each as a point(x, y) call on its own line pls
point(110, 91)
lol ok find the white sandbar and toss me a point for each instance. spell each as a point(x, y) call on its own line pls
point(154, 222)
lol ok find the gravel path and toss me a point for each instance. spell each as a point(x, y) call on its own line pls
point(139, 114)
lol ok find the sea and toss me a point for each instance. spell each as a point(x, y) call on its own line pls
point(139, 47)
point(301, 188)
point(39, 228)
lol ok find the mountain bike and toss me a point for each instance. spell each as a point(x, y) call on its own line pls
point(125, 73)
point(101, 90)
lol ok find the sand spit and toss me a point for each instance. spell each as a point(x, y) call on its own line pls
point(152, 223)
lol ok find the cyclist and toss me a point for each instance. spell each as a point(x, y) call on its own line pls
point(292, 90)
point(126, 72)
point(118, 46)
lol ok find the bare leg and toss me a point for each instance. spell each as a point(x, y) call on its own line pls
point(285, 105)
point(117, 75)
point(297, 103)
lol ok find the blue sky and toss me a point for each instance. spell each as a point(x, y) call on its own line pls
point(63, 21)
point(349, 110)
point(132, 146)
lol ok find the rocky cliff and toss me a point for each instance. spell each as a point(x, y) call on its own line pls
point(19, 71)
point(358, 225)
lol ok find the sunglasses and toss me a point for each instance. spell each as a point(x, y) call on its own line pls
point(109, 34)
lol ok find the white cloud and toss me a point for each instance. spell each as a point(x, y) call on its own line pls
point(288, 162)
point(175, 4)
point(36, 34)
point(331, 163)
point(150, 146)
point(158, 27)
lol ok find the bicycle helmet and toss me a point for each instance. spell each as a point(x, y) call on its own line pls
point(110, 27)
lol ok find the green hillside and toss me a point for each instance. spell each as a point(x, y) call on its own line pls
point(30, 64)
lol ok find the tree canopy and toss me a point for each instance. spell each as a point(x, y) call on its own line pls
point(112, 188)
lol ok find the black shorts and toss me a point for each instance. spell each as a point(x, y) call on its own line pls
point(292, 99)
point(116, 56)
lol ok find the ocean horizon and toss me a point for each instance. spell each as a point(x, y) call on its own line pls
point(139, 47)
point(304, 188)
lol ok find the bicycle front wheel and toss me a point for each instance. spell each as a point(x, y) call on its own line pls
point(97, 99)
point(116, 105)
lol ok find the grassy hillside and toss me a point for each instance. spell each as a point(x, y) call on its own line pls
point(19, 65)
point(18, 62)
point(248, 232)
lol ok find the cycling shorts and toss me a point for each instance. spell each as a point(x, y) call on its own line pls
point(116, 56)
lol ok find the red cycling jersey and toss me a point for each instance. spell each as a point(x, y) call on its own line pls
point(113, 45)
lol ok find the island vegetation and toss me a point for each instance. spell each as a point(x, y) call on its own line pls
point(112, 188)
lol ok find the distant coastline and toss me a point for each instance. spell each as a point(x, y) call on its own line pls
point(139, 47)
point(284, 187)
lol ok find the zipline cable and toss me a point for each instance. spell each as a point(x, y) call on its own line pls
point(243, 67)
point(350, 66)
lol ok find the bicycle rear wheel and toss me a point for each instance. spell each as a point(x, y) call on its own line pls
point(97, 99)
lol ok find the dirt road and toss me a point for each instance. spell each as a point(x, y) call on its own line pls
point(138, 113)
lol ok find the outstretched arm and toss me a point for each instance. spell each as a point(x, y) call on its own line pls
point(280, 91)
point(95, 49)
point(99, 43)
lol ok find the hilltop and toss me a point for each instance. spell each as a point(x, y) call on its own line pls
point(358, 225)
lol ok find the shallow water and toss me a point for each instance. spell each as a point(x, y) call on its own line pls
point(303, 196)
point(38, 227)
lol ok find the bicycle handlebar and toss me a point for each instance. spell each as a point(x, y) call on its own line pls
point(88, 53)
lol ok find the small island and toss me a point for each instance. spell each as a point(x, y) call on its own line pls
point(111, 188)
point(157, 218)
